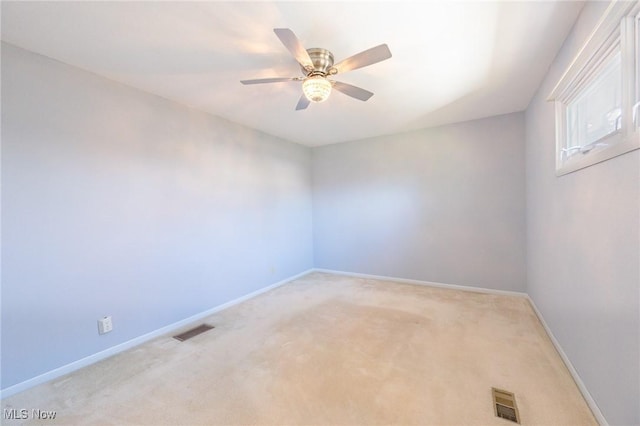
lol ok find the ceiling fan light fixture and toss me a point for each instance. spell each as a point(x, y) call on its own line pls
point(317, 64)
point(316, 88)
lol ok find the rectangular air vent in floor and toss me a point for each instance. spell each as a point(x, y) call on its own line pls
point(504, 404)
point(193, 332)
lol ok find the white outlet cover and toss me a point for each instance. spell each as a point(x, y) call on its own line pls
point(105, 325)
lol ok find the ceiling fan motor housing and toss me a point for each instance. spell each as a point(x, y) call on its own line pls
point(322, 61)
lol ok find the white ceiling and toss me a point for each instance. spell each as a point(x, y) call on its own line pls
point(452, 61)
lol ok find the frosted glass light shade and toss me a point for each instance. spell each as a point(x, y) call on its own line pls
point(316, 88)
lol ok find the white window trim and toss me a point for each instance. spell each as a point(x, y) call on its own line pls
point(617, 25)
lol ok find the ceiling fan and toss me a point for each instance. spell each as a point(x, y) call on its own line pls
point(317, 65)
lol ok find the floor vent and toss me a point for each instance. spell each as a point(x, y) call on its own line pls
point(504, 404)
point(193, 332)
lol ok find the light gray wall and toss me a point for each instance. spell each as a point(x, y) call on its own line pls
point(116, 202)
point(583, 247)
point(443, 204)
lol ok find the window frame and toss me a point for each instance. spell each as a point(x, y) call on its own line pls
point(618, 28)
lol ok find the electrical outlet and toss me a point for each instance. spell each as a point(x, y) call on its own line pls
point(105, 325)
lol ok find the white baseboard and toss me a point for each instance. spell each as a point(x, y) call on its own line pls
point(576, 377)
point(574, 374)
point(426, 283)
point(91, 359)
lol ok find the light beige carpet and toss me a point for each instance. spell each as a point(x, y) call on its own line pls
point(327, 349)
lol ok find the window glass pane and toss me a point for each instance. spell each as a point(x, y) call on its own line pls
point(597, 111)
point(636, 106)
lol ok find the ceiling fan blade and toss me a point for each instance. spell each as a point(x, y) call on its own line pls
point(353, 91)
point(365, 58)
point(294, 45)
point(269, 80)
point(303, 103)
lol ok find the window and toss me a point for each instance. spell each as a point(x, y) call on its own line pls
point(598, 97)
point(596, 114)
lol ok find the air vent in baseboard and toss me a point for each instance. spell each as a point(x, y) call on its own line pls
point(504, 405)
point(193, 332)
